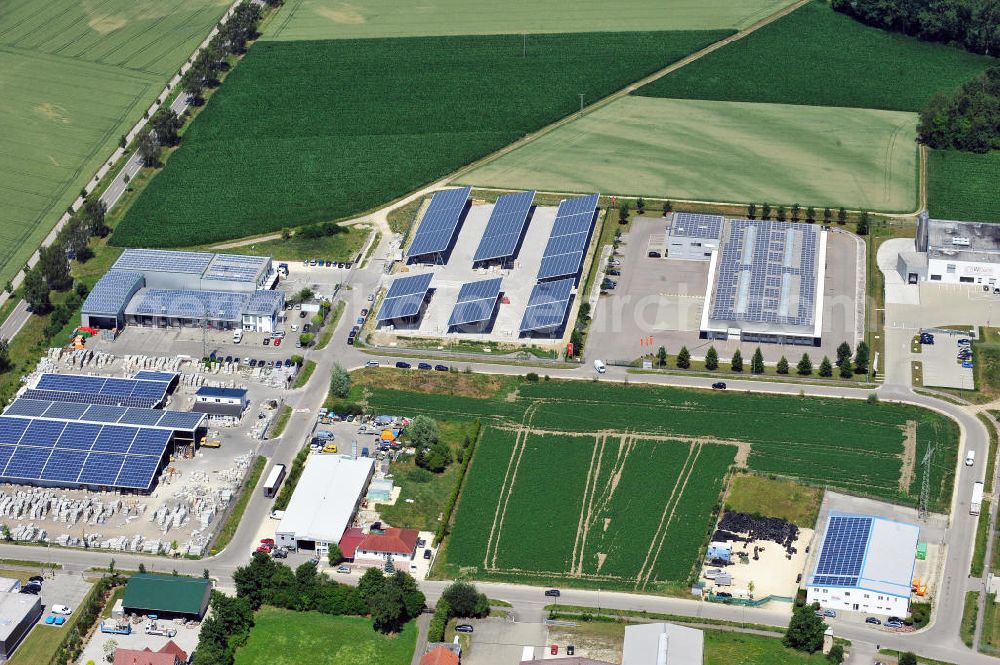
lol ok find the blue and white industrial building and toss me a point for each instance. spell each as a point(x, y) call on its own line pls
point(167, 288)
point(220, 402)
point(865, 564)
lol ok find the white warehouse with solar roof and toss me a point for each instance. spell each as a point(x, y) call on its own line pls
point(865, 564)
point(166, 288)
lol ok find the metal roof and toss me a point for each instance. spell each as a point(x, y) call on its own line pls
point(211, 391)
point(505, 226)
point(112, 292)
point(14, 608)
point(167, 593)
point(662, 644)
point(236, 268)
point(164, 260)
point(325, 497)
point(438, 226)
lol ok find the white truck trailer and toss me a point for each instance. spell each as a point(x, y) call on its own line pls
point(977, 498)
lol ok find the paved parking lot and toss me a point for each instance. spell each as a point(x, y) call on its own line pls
point(499, 642)
point(941, 367)
point(61, 589)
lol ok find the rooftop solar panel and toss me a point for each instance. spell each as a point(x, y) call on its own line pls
point(405, 297)
point(505, 226)
point(547, 305)
point(190, 304)
point(99, 390)
point(844, 547)
point(438, 226)
point(49, 410)
point(236, 268)
point(112, 292)
point(153, 375)
point(696, 225)
point(137, 471)
point(476, 301)
point(265, 303)
point(162, 260)
point(101, 469)
point(567, 243)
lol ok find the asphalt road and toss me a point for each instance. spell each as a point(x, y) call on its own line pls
point(940, 640)
point(15, 320)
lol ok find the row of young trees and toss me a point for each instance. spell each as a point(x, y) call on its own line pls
point(847, 363)
point(795, 214)
point(970, 24)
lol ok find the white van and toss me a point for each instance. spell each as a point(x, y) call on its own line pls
point(237, 337)
point(970, 458)
point(600, 366)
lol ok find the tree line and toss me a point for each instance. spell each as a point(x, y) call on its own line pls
point(970, 24)
point(847, 364)
point(967, 119)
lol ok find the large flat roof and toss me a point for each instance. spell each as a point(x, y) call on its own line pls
point(112, 292)
point(325, 497)
point(164, 260)
point(866, 552)
point(963, 241)
point(166, 593)
point(13, 608)
point(662, 644)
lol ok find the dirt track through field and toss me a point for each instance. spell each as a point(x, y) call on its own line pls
point(909, 456)
point(506, 490)
point(587, 506)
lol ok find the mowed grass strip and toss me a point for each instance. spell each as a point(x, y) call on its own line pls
point(283, 637)
point(723, 151)
point(963, 185)
point(334, 19)
point(311, 131)
point(819, 57)
point(775, 497)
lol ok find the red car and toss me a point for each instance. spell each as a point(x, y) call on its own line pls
point(277, 341)
point(554, 649)
point(263, 549)
point(267, 541)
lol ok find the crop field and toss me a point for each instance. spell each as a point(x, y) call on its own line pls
point(337, 19)
point(723, 151)
point(619, 511)
point(816, 441)
point(346, 138)
point(963, 185)
point(75, 76)
point(819, 57)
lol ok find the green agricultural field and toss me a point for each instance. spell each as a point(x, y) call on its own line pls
point(336, 19)
point(604, 522)
point(76, 75)
point(283, 637)
point(819, 57)
point(723, 151)
point(963, 185)
point(291, 139)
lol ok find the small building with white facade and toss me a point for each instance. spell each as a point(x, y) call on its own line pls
point(325, 501)
point(663, 644)
point(220, 402)
point(692, 236)
point(953, 252)
point(865, 564)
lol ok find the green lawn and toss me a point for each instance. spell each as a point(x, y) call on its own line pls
point(820, 57)
point(283, 637)
point(344, 246)
point(76, 75)
point(336, 19)
point(291, 140)
point(228, 529)
point(723, 648)
point(963, 185)
point(775, 497)
point(723, 151)
point(970, 613)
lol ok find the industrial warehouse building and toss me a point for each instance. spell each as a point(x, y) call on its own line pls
point(325, 501)
point(765, 282)
point(865, 565)
point(952, 252)
point(167, 596)
point(18, 613)
point(151, 287)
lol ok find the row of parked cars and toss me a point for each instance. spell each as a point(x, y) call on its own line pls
point(328, 263)
point(251, 362)
point(405, 365)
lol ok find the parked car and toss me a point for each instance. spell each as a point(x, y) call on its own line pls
point(554, 649)
point(229, 359)
point(424, 366)
point(427, 554)
point(360, 321)
point(894, 620)
point(464, 628)
point(267, 340)
point(719, 385)
point(302, 315)
point(37, 579)
point(306, 327)
point(371, 363)
point(402, 365)
point(570, 650)
point(371, 297)
point(295, 327)
point(893, 624)
point(873, 621)
point(364, 312)
point(441, 368)
point(614, 272)
point(279, 553)
point(277, 341)
point(723, 594)
point(343, 569)
point(267, 541)
point(967, 365)
point(33, 590)
point(350, 340)
point(552, 593)
point(829, 613)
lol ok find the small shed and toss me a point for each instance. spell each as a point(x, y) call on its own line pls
point(721, 551)
point(167, 596)
point(225, 402)
point(921, 551)
point(380, 490)
point(723, 579)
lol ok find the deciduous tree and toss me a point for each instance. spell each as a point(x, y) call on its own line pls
point(805, 630)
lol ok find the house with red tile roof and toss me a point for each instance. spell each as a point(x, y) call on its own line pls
point(398, 546)
point(440, 656)
point(169, 654)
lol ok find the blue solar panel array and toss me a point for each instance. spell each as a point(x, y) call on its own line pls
point(568, 241)
point(547, 305)
point(844, 548)
point(154, 375)
point(164, 260)
point(505, 226)
point(112, 292)
point(437, 228)
point(476, 301)
point(190, 304)
point(405, 297)
point(696, 225)
point(72, 453)
point(104, 390)
point(265, 303)
point(235, 268)
point(757, 266)
point(35, 405)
